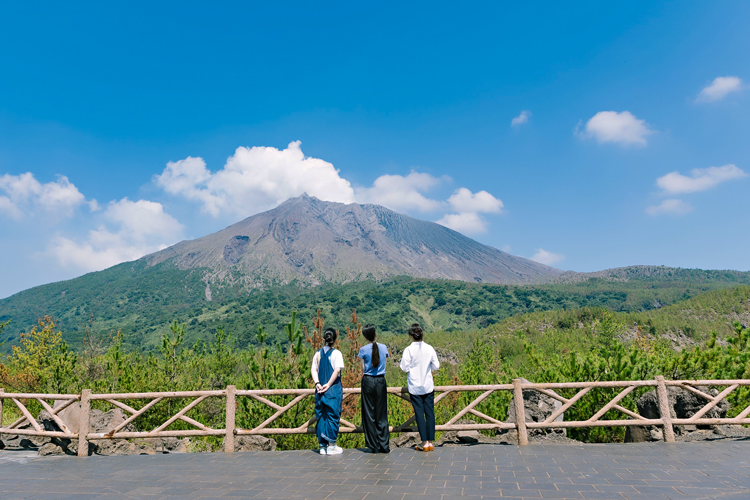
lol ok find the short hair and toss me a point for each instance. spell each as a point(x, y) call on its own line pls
point(330, 336)
point(369, 332)
point(416, 332)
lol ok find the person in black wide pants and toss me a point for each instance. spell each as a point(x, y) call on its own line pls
point(374, 393)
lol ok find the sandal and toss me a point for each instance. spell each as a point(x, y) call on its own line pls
point(420, 448)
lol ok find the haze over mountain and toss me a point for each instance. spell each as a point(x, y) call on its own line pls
point(309, 241)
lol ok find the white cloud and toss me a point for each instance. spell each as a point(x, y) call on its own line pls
point(547, 258)
point(521, 119)
point(466, 223)
point(469, 205)
point(700, 179)
point(24, 194)
point(505, 248)
point(401, 193)
point(670, 207)
point(260, 178)
point(464, 200)
point(255, 179)
point(622, 128)
point(141, 227)
point(720, 88)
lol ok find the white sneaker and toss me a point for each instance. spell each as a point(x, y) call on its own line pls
point(323, 451)
point(334, 450)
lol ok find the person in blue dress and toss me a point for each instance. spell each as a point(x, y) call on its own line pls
point(329, 394)
point(374, 393)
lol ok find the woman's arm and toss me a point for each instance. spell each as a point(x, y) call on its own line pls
point(314, 371)
point(330, 381)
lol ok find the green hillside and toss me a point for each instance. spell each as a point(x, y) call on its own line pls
point(142, 300)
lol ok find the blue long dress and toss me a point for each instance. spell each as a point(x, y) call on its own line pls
point(328, 404)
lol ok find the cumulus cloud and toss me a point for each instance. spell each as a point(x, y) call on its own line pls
point(466, 223)
point(547, 258)
point(700, 179)
point(521, 119)
point(720, 88)
point(259, 178)
point(24, 195)
point(620, 128)
point(469, 205)
point(255, 179)
point(464, 200)
point(131, 229)
point(401, 193)
point(670, 207)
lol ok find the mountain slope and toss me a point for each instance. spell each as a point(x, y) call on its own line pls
point(313, 242)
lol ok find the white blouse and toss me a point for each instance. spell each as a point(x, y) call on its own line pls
point(419, 361)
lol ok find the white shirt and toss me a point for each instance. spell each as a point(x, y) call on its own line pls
point(337, 361)
point(419, 361)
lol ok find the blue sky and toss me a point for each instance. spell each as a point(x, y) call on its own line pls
point(120, 125)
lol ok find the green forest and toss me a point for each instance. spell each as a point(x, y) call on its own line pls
point(141, 301)
point(704, 336)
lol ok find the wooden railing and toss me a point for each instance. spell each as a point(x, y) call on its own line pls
point(230, 395)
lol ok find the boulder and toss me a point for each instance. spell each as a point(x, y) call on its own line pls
point(537, 407)
point(405, 440)
point(51, 449)
point(105, 422)
point(122, 447)
point(252, 443)
point(682, 404)
point(460, 437)
point(168, 444)
point(468, 437)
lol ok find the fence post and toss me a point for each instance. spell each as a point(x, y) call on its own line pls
point(2, 391)
point(83, 423)
point(523, 436)
point(666, 415)
point(231, 407)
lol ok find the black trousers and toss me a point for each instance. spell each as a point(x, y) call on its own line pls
point(375, 413)
point(424, 411)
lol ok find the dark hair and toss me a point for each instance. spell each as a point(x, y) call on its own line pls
point(330, 336)
point(416, 332)
point(369, 333)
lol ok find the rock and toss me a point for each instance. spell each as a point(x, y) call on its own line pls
point(70, 415)
point(682, 404)
point(537, 407)
point(406, 440)
point(51, 449)
point(637, 434)
point(105, 422)
point(469, 437)
point(252, 443)
point(168, 444)
point(122, 447)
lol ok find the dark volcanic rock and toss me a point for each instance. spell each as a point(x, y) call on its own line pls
point(405, 440)
point(538, 408)
point(252, 443)
point(682, 404)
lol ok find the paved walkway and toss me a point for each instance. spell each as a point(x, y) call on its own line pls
point(623, 472)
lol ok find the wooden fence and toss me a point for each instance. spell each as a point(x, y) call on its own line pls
point(230, 395)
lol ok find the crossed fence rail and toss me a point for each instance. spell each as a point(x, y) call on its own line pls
point(260, 396)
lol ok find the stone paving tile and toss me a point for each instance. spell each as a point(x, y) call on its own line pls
point(654, 471)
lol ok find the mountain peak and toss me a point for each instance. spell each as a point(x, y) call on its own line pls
point(310, 241)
